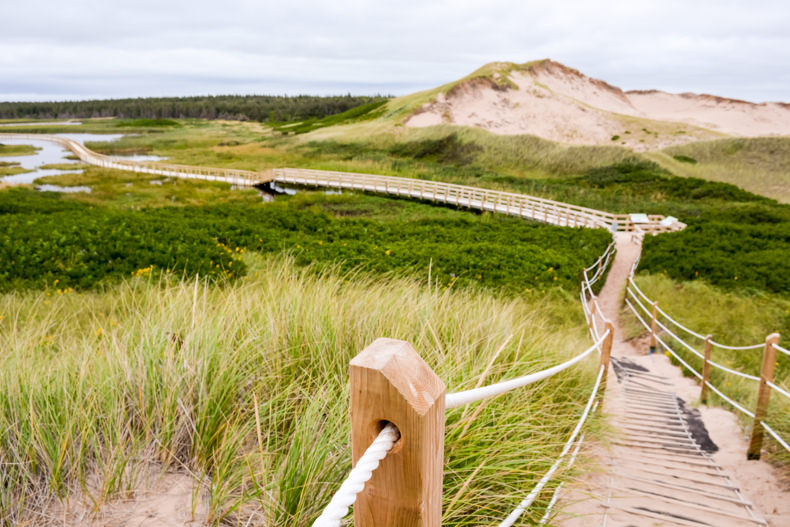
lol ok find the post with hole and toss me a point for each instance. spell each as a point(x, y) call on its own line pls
point(391, 383)
point(653, 325)
point(703, 396)
point(763, 395)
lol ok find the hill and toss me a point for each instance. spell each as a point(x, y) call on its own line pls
point(552, 101)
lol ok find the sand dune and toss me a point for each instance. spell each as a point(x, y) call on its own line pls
point(553, 101)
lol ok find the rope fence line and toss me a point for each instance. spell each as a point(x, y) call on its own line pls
point(765, 380)
point(526, 502)
point(454, 400)
point(775, 436)
point(736, 348)
point(778, 389)
point(779, 348)
point(694, 351)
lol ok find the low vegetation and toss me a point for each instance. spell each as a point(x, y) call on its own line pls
point(17, 150)
point(48, 240)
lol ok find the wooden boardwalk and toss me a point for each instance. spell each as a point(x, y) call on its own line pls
point(521, 205)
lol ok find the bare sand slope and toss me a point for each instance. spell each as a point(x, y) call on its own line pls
point(555, 102)
point(667, 463)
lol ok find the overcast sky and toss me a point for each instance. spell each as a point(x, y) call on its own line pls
point(119, 48)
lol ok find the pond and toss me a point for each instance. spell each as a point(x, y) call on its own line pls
point(36, 123)
point(51, 154)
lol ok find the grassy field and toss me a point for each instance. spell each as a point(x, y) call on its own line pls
point(16, 150)
point(98, 386)
point(760, 165)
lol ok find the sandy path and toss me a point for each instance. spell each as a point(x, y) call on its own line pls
point(658, 469)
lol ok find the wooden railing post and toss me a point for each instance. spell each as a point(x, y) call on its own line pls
point(606, 348)
point(703, 396)
point(763, 396)
point(653, 325)
point(391, 383)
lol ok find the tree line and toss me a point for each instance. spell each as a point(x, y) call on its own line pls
point(271, 108)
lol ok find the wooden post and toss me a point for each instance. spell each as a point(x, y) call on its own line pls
point(653, 328)
point(592, 312)
point(606, 348)
point(703, 396)
point(391, 383)
point(763, 396)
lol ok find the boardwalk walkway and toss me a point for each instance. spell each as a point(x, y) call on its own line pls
point(659, 469)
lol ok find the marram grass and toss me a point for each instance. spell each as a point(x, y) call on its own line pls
point(246, 387)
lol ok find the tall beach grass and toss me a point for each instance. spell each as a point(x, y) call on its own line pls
point(245, 387)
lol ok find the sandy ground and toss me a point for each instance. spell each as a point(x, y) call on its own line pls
point(561, 104)
point(760, 483)
point(172, 499)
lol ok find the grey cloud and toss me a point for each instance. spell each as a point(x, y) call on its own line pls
point(129, 48)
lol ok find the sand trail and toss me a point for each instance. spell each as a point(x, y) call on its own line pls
point(667, 463)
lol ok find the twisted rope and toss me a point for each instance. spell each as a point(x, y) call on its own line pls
point(346, 495)
point(454, 400)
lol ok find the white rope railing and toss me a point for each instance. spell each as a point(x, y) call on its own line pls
point(526, 502)
point(454, 400)
point(775, 436)
point(678, 324)
point(734, 372)
point(733, 403)
point(680, 340)
point(779, 348)
point(737, 348)
point(571, 461)
point(684, 363)
point(346, 495)
point(777, 388)
point(636, 314)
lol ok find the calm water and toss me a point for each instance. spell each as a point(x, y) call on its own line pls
point(51, 123)
point(50, 153)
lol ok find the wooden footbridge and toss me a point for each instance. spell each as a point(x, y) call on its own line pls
point(521, 205)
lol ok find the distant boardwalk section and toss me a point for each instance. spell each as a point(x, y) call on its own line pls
point(521, 205)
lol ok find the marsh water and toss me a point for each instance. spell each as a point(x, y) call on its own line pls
point(51, 154)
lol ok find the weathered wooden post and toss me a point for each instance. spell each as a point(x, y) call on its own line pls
point(703, 396)
point(763, 395)
point(653, 325)
point(606, 348)
point(593, 308)
point(391, 383)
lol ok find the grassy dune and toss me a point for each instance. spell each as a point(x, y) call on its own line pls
point(96, 388)
point(760, 165)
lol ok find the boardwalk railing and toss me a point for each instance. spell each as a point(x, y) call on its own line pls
point(246, 178)
point(398, 409)
point(661, 325)
point(522, 205)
